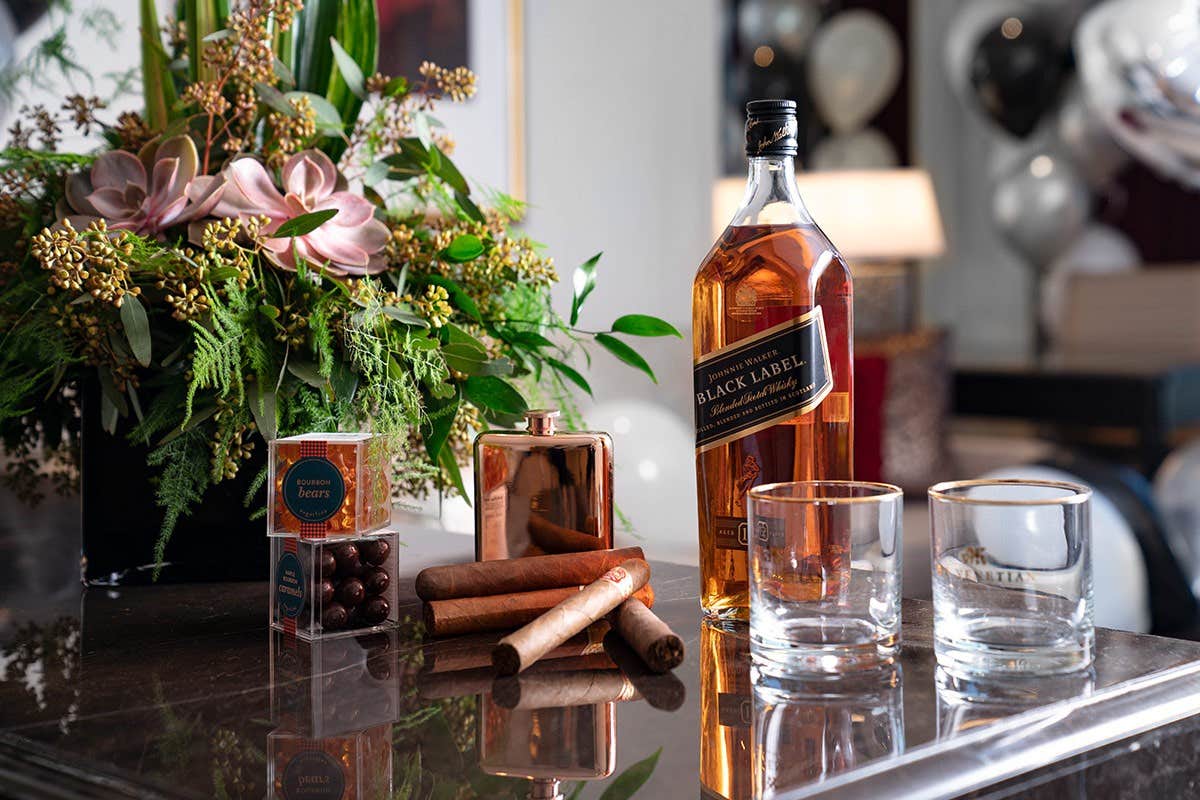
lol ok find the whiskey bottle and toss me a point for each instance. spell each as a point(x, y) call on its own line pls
point(772, 320)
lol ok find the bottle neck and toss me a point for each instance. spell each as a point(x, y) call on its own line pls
point(772, 197)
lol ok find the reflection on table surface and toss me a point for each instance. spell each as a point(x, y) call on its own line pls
point(180, 691)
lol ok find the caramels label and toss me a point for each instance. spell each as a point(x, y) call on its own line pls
point(313, 775)
point(289, 585)
point(313, 489)
point(762, 380)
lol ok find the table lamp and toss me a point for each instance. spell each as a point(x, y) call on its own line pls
point(880, 220)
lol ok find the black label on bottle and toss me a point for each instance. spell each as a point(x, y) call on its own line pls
point(762, 380)
point(733, 710)
point(731, 533)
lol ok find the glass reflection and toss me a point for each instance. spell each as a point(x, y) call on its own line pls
point(810, 729)
point(725, 710)
point(968, 702)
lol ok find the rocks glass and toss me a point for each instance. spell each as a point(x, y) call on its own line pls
point(1012, 576)
point(824, 575)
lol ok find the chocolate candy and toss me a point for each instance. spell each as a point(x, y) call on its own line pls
point(334, 617)
point(347, 558)
point(351, 592)
point(376, 581)
point(328, 563)
point(325, 589)
point(375, 551)
point(375, 610)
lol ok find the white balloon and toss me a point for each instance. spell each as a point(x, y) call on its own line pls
point(1087, 140)
point(1041, 206)
point(865, 149)
point(1122, 598)
point(1099, 249)
point(1175, 493)
point(1139, 62)
point(853, 69)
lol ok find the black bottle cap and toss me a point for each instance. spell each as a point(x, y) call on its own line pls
point(771, 128)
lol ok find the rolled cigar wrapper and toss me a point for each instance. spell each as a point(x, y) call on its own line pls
point(554, 538)
point(651, 638)
point(523, 647)
point(501, 612)
point(475, 651)
point(540, 689)
point(509, 576)
point(662, 691)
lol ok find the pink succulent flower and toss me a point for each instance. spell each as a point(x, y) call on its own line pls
point(146, 194)
point(349, 243)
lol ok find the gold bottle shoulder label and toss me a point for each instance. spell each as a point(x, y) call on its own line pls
point(761, 381)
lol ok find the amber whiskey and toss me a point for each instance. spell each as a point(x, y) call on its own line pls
point(772, 321)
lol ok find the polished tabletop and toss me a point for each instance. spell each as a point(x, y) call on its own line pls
point(181, 691)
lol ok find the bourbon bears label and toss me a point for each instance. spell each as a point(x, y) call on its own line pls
point(313, 489)
point(762, 380)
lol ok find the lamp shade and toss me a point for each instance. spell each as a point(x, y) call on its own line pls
point(876, 215)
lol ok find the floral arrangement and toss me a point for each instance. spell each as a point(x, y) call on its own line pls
point(279, 243)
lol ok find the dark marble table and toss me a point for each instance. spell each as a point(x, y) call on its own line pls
point(180, 691)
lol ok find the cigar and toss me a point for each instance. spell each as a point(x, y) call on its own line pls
point(508, 576)
point(538, 689)
point(475, 651)
point(518, 650)
point(662, 691)
point(501, 612)
point(556, 539)
point(466, 682)
point(647, 635)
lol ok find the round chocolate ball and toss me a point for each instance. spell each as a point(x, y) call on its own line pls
point(334, 617)
point(347, 558)
point(375, 610)
point(375, 551)
point(327, 562)
point(325, 590)
point(380, 668)
point(351, 592)
point(376, 581)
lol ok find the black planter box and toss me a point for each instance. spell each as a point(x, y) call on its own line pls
point(217, 542)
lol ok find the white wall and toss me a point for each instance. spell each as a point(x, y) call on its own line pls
point(622, 152)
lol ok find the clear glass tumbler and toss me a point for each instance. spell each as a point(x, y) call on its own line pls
point(824, 575)
point(1012, 576)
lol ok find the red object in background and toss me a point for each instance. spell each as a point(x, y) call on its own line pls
point(870, 394)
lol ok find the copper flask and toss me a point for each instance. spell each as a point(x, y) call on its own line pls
point(542, 490)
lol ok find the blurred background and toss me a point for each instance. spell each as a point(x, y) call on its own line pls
point(1015, 183)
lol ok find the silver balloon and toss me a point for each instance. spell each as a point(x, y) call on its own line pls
point(1177, 499)
point(1041, 206)
point(865, 149)
point(1098, 250)
point(1139, 63)
point(1087, 140)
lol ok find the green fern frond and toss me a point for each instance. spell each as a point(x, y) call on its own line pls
point(217, 359)
point(184, 479)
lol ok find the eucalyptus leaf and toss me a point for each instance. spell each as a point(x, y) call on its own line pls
point(307, 372)
point(134, 402)
point(405, 317)
point(351, 72)
point(468, 207)
point(583, 282)
point(450, 467)
point(626, 785)
point(274, 99)
point(137, 328)
point(376, 174)
point(644, 325)
point(570, 373)
point(491, 393)
point(263, 409)
point(625, 353)
point(305, 223)
point(449, 173)
point(464, 247)
point(217, 36)
point(463, 358)
point(284, 73)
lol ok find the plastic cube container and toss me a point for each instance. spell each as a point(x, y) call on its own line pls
point(356, 766)
point(333, 686)
point(328, 484)
point(334, 587)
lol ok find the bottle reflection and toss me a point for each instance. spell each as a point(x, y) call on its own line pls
point(808, 730)
point(968, 702)
point(725, 710)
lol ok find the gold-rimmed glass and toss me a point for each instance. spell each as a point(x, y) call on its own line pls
point(1012, 576)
